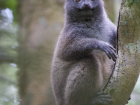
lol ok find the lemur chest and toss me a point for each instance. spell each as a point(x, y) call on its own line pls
point(96, 33)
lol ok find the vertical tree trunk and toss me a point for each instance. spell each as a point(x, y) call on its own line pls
point(40, 25)
point(128, 65)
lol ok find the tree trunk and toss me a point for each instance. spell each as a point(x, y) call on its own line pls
point(128, 64)
point(40, 25)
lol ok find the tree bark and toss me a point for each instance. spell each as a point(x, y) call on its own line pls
point(40, 25)
point(128, 64)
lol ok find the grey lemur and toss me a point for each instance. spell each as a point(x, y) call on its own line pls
point(84, 54)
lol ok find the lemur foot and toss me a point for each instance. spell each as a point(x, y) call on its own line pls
point(128, 100)
point(102, 99)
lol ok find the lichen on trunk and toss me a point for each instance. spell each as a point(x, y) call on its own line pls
point(127, 66)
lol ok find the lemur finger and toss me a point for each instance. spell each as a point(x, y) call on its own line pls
point(112, 48)
point(113, 54)
point(108, 54)
point(105, 96)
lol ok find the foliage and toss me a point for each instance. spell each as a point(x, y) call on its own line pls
point(8, 89)
point(8, 53)
point(11, 4)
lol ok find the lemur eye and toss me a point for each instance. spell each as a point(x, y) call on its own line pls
point(77, 0)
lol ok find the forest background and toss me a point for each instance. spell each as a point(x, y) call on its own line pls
point(28, 33)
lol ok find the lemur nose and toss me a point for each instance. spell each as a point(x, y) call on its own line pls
point(86, 6)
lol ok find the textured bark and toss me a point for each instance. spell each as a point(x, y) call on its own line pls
point(128, 64)
point(40, 25)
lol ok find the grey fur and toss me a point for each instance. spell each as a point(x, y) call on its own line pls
point(82, 60)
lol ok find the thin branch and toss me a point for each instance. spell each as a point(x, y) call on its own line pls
point(5, 79)
point(7, 58)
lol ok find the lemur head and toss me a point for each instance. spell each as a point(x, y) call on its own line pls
point(83, 7)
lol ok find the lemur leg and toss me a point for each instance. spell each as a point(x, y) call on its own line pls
point(83, 83)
